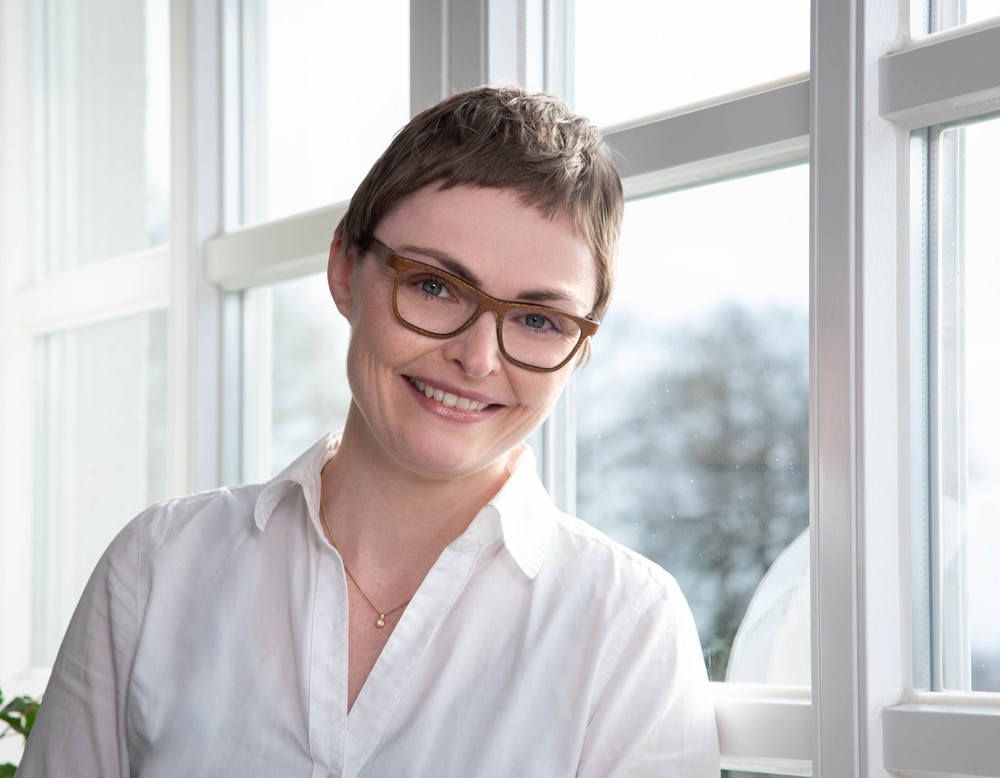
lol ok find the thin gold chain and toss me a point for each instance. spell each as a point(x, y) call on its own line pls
point(380, 621)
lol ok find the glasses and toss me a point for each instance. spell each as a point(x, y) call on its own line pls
point(438, 304)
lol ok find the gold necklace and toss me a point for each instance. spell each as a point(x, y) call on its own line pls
point(380, 621)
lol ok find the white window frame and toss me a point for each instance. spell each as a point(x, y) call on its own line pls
point(950, 76)
point(16, 451)
point(870, 85)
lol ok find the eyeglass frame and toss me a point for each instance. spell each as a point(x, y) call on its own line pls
point(487, 304)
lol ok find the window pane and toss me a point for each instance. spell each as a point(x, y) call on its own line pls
point(100, 432)
point(693, 416)
point(634, 58)
point(980, 10)
point(928, 16)
point(104, 97)
point(326, 87)
point(294, 382)
point(967, 472)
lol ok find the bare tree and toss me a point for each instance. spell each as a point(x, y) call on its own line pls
point(693, 449)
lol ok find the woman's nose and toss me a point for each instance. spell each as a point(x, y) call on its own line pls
point(477, 349)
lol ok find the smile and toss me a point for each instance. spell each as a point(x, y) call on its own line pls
point(445, 398)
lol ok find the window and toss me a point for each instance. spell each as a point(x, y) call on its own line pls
point(93, 326)
point(961, 635)
point(671, 55)
point(166, 205)
point(310, 128)
point(700, 459)
point(100, 410)
point(102, 79)
point(294, 384)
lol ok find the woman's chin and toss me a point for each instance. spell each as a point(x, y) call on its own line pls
point(447, 460)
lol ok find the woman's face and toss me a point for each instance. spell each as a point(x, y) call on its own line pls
point(507, 249)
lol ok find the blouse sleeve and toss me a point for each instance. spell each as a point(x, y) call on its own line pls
point(655, 717)
point(82, 721)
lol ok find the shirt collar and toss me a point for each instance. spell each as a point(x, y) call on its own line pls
point(522, 507)
point(304, 471)
point(526, 513)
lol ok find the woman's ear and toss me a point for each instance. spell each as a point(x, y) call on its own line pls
point(339, 270)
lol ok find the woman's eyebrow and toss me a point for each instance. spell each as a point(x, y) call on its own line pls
point(447, 262)
point(457, 268)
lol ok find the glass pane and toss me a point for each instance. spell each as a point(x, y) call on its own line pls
point(967, 475)
point(928, 16)
point(294, 379)
point(100, 432)
point(634, 58)
point(105, 98)
point(326, 87)
point(698, 458)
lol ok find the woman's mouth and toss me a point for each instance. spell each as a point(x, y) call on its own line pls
point(447, 398)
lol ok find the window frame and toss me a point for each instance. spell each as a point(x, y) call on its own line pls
point(870, 85)
point(16, 451)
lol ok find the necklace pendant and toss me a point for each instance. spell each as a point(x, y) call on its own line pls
point(380, 621)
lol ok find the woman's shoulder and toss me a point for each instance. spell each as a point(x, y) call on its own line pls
point(577, 543)
point(223, 504)
point(194, 518)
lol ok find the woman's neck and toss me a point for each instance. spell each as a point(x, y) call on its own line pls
point(382, 514)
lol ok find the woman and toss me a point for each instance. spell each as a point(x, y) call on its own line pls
point(404, 599)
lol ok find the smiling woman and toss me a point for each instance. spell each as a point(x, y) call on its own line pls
point(512, 249)
point(405, 598)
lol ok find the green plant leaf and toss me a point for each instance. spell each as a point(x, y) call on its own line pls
point(7, 770)
point(19, 714)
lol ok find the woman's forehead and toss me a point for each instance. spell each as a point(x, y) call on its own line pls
point(491, 238)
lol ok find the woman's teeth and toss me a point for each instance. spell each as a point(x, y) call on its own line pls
point(445, 398)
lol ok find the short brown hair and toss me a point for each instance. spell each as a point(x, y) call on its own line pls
point(501, 138)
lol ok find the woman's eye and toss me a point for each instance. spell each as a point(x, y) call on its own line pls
point(542, 323)
point(536, 321)
point(432, 287)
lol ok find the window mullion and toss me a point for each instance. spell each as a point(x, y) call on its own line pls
point(764, 728)
point(833, 373)
point(428, 53)
point(856, 389)
point(693, 146)
point(274, 251)
point(942, 740)
point(96, 292)
point(196, 215)
point(952, 77)
point(16, 396)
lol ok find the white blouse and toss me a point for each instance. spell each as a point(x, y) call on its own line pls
point(211, 640)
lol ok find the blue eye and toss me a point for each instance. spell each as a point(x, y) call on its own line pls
point(539, 323)
point(432, 287)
